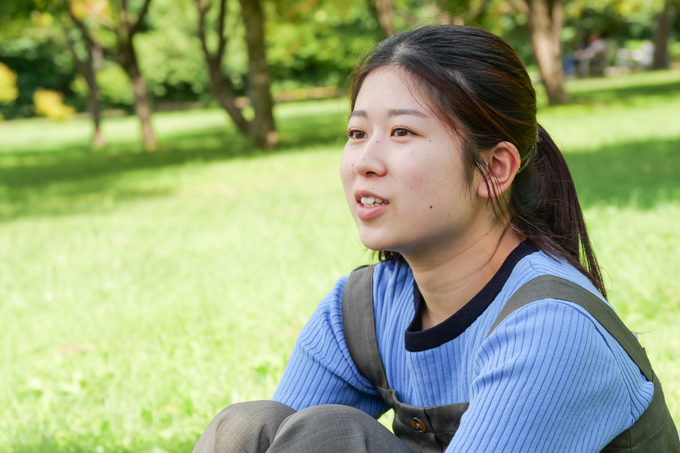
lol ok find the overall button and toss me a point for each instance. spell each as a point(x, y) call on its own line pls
point(418, 425)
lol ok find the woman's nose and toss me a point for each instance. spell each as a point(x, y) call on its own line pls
point(370, 161)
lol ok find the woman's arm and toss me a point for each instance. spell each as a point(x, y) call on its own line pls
point(320, 369)
point(547, 380)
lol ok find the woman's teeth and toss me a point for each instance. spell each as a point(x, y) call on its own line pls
point(372, 202)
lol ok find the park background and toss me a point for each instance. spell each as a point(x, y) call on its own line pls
point(152, 275)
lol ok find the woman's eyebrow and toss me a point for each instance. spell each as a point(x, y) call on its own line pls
point(412, 112)
point(391, 112)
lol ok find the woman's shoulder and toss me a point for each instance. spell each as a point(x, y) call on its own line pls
point(538, 264)
point(530, 267)
point(545, 316)
point(560, 334)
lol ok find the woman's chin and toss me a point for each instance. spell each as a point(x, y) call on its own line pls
point(376, 243)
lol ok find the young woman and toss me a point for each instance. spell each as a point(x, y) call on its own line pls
point(484, 325)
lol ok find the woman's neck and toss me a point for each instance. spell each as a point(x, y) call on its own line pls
point(452, 274)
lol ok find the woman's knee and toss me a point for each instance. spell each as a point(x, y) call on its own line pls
point(247, 426)
point(336, 428)
point(253, 413)
point(326, 415)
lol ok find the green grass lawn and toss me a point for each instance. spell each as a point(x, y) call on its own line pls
point(142, 292)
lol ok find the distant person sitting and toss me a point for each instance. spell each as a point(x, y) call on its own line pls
point(592, 59)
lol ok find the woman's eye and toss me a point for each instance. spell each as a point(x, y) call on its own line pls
point(356, 134)
point(401, 132)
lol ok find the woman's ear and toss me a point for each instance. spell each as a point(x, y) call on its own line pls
point(503, 161)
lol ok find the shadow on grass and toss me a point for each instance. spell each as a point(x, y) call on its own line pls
point(36, 168)
point(626, 94)
point(78, 178)
point(639, 174)
point(74, 163)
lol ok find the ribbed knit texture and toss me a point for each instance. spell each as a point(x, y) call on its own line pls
point(548, 378)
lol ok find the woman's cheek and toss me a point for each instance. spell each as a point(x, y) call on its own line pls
point(346, 174)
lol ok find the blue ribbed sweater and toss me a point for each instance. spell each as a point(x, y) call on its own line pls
point(548, 378)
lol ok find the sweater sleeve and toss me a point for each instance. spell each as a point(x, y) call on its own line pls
point(320, 369)
point(546, 380)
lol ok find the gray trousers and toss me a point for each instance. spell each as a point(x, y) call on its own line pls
point(268, 426)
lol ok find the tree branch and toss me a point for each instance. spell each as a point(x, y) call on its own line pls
point(126, 15)
point(79, 64)
point(69, 42)
point(202, 11)
point(222, 43)
point(87, 36)
point(140, 18)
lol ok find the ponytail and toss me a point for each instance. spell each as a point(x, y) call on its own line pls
point(544, 207)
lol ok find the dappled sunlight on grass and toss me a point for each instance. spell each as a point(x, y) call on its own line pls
point(640, 174)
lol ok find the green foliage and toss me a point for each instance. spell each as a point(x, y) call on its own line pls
point(132, 303)
point(674, 50)
point(8, 85)
point(616, 20)
point(622, 7)
point(318, 44)
point(27, 48)
point(311, 43)
point(115, 89)
point(114, 85)
point(170, 53)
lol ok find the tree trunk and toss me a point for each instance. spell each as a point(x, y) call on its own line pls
point(545, 24)
point(262, 128)
point(88, 68)
point(385, 9)
point(93, 64)
point(225, 97)
point(93, 106)
point(383, 12)
point(143, 108)
point(664, 23)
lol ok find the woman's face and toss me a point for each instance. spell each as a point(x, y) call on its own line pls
point(399, 153)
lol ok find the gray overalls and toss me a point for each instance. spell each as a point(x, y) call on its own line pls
point(430, 429)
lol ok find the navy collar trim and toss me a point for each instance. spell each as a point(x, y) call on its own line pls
point(417, 339)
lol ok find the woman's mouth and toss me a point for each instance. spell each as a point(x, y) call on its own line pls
point(372, 202)
point(370, 206)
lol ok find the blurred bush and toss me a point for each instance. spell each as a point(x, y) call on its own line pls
point(50, 103)
point(115, 89)
point(114, 86)
point(38, 63)
point(674, 50)
point(8, 86)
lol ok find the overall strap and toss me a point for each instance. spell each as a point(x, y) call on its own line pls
point(552, 287)
point(654, 431)
point(359, 326)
